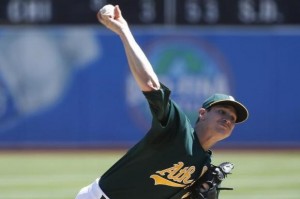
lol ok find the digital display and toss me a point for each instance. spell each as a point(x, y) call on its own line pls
point(153, 12)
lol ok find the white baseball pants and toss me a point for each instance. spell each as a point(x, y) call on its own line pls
point(92, 191)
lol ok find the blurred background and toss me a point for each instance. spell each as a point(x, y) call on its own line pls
point(64, 78)
point(65, 82)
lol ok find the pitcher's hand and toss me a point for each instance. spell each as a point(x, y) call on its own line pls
point(116, 24)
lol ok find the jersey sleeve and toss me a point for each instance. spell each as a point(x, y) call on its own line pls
point(159, 103)
point(169, 122)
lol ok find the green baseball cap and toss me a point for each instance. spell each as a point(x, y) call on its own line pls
point(222, 99)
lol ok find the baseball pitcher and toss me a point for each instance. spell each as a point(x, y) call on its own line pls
point(173, 160)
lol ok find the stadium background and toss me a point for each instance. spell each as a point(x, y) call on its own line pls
point(65, 84)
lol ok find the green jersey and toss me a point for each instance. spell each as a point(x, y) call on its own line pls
point(168, 159)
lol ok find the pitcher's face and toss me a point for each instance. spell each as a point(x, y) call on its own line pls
point(220, 120)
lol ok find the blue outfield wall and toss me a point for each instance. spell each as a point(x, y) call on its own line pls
point(71, 86)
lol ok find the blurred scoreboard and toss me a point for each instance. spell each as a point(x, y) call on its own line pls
point(153, 12)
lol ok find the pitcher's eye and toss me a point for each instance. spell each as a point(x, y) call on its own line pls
point(222, 112)
point(232, 119)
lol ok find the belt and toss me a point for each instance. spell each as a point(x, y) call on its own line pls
point(103, 196)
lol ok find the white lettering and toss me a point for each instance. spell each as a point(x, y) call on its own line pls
point(268, 12)
point(29, 11)
point(148, 11)
point(246, 11)
point(193, 12)
point(211, 14)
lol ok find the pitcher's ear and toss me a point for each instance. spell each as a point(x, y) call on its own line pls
point(202, 112)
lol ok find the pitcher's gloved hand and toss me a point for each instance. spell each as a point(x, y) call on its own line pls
point(208, 186)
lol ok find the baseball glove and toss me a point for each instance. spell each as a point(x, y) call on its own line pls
point(208, 186)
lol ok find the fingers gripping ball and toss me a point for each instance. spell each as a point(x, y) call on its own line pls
point(108, 10)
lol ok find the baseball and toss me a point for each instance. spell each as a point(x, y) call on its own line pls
point(108, 10)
